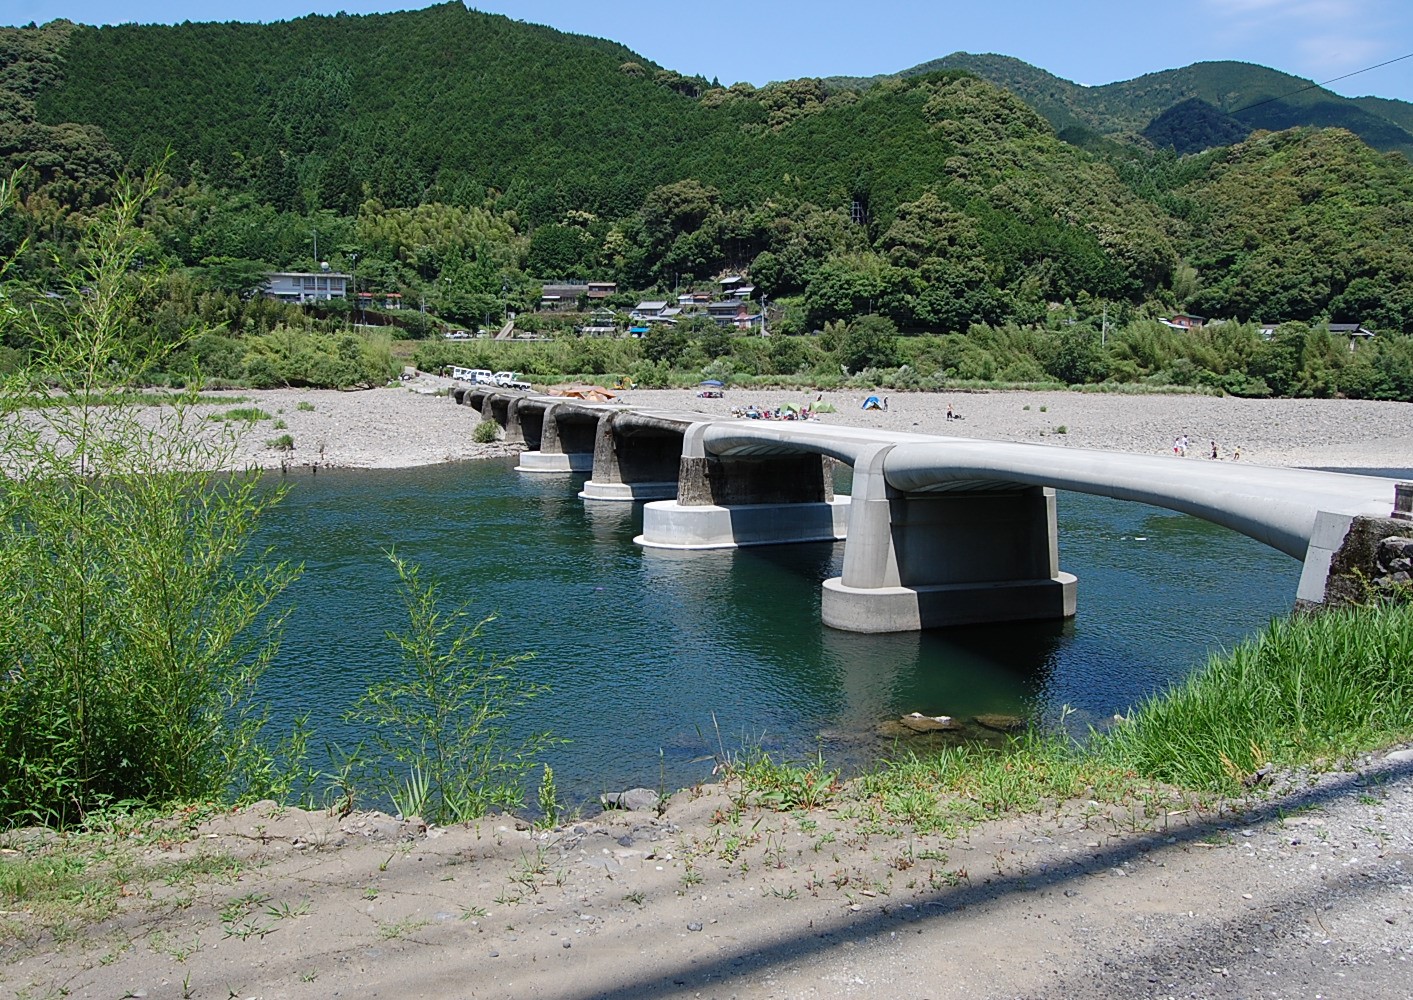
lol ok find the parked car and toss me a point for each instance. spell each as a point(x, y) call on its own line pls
point(509, 380)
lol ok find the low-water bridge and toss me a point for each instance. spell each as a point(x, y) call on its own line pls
point(939, 530)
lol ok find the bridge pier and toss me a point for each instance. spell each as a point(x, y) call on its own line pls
point(528, 423)
point(929, 560)
point(730, 501)
point(635, 458)
point(566, 442)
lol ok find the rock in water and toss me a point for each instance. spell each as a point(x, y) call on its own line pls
point(634, 799)
point(1000, 723)
point(920, 723)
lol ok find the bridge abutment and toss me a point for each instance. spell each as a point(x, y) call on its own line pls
point(930, 560)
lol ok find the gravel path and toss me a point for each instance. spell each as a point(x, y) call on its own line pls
point(1303, 895)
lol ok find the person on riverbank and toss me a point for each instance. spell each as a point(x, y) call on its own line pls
point(949, 411)
point(1215, 454)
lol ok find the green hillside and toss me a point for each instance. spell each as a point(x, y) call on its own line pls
point(461, 159)
point(411, 105)
point(1325, 237)
point(1398, 112)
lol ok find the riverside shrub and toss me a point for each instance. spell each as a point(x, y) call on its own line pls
point(137, 618)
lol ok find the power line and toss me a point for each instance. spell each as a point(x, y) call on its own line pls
point(1313, 86)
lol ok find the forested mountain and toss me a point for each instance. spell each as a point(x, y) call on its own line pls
point(462, 158)
point(1253, 97)
point(411, 106)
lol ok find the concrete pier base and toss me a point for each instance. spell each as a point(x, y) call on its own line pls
point(934, 559)
point(538, 462)
point(668, 524)
point(627, 492)
point(908, 609)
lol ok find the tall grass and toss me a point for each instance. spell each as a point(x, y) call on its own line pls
point(439, 741)
point(1309, 687)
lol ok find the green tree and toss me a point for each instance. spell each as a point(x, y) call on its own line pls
point(868, 342)
point(665, 344)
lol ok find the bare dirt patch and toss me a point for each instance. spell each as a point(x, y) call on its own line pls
point(1303, 894)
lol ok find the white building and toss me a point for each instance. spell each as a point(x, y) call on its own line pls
point(302, 286)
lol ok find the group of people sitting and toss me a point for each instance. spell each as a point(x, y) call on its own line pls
point(752, 412)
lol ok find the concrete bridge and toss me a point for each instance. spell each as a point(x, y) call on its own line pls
point(940, 531)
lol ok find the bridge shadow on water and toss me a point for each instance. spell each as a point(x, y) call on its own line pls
point(865, 682)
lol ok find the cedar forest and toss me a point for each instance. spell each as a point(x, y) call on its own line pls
point(918, 230)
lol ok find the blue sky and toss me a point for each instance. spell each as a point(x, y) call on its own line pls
point(1088, 41)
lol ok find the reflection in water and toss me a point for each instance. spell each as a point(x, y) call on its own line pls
point(650, 651)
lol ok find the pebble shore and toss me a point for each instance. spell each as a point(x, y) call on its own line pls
point(412, 425)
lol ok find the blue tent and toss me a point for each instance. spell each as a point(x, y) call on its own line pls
point(713, 383)
point(872, 403)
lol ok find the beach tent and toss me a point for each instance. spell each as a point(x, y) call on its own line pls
point(712, 383)
point(872, 403)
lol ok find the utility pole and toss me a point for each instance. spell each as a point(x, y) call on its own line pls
point(353, 276)
point(1104, 326)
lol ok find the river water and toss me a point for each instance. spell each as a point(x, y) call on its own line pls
point(656, 660)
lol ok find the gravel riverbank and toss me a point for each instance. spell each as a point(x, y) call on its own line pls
point(399, 426)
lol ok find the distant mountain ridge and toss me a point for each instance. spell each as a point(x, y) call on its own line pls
point(1253, 97)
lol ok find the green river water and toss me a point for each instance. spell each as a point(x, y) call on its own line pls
point(651, 655)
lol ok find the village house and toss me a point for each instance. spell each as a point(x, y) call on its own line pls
point(303, 286)
point(379, 300)
point(562, 297)
point(1185, 321)
point(733, 312)
point(1355, 332)
point(655, 311)
point(602, 323)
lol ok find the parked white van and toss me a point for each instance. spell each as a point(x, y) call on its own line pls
point(476, 376)
point(508, 380)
